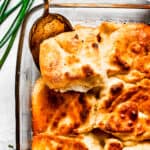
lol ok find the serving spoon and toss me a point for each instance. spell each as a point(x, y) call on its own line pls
point(48, 25)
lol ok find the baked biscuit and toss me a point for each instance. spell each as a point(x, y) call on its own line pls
point(72, 60)
point(128, 54)
point(126, 114)
point(61, 113)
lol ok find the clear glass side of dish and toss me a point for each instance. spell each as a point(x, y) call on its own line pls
point(26, 71)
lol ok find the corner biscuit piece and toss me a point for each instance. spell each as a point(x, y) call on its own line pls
point(72, 60)
point(128, 114)
point(61, 113)
point(129, 53)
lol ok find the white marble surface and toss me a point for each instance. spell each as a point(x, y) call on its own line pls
point(7, 89)
point(7, 85)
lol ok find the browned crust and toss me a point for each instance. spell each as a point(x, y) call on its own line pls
point(131, 52)
point(50, 109)
point(45, 141)
point(122, 116)
point(123, 111)
point(70, 59)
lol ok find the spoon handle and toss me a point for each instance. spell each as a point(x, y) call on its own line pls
point(46, 7)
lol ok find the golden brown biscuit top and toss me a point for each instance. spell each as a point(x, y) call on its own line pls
point(81, 60)
point(61, 113)
point(127, 115)
point(110, 65)
point(131, 52)
point(71, 61)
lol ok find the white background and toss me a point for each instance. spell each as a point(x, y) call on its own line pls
point(7, 82)
point(7, 88)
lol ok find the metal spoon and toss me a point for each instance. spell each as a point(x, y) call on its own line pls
point(46, 26)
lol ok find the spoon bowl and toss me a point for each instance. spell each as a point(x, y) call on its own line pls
point(48, 25)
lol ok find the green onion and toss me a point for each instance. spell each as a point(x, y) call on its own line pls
point(4, 6)
point(10, 44)
point(10, 11)
point(13, 32)
point(16, 23)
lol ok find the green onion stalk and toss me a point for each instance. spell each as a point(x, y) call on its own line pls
point(6, 14)
point(4, 7)
point(12, 31)
point(16, 23)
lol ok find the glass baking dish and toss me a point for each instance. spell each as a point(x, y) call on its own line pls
point(26, 72)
